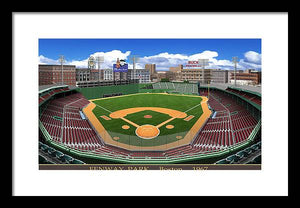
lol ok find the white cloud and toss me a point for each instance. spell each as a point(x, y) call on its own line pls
point(204, 55)
point(166, 60)
point(45, 60)
point(247, 65)
point(252, 57)
point(109, 59)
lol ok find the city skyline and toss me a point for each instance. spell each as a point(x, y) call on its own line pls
point(165, 53)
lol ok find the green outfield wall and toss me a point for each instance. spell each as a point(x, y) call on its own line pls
point(98, 92)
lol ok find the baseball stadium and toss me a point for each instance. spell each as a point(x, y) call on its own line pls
point(153, 123)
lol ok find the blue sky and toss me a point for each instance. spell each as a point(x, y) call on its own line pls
point(163, 52)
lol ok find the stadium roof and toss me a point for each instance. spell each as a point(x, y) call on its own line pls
point(46, 87)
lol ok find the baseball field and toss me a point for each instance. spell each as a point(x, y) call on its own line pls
point(150, 121)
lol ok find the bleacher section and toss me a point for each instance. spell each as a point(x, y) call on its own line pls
point(173, 87)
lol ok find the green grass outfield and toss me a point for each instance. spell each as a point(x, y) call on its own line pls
point(175, 102)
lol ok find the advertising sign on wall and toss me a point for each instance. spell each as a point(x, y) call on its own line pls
point(120, 66)
point(196, 64)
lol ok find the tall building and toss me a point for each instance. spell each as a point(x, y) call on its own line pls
point(175, 72)
point(196, 74)
point(53, 74)
point(219, 76)
point(176, 69)
point(151, 68)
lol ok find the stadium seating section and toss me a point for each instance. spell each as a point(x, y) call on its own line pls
point(232, 124)
point(181, 88)
point(44, 96)
point(254, 98)
point(71, 130)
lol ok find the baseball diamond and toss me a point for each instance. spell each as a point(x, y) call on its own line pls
point(159, 130)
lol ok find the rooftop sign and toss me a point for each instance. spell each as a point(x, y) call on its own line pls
point(197, 64)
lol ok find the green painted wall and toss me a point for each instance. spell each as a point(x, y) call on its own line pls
point(98, 92)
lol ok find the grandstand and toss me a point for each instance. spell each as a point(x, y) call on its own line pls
point(231, 125)
point(234, 126)
point(251, 96)
point(62, 120)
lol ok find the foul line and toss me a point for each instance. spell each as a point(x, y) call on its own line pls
point(165, 122)
point(192, 107)
point(103, 108)
point(128, 121)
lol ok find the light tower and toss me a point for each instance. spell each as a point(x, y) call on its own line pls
point(62, 61)
point(203, 63)
point(134, 59)
point(235, 60)
point(91, 66)
point(99, 60)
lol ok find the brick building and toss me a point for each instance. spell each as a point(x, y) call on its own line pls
point(196, 74)
point(176, 72)
point(152, 69)
point(176, 69)
point(247, 77)
point(56, 74)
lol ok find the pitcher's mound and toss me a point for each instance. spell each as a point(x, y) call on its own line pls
point(147, 131)
point(147, 116)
